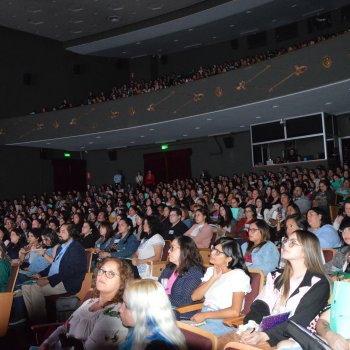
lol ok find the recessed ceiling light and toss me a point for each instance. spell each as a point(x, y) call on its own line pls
point(82, 147)
point(258, 117)
point(242, 126)
point(151, 129)
point(76, 21)
point(248, 12)
point(48, 143)
point(197, 127)
point(275, 106)
point(34, 10)
point(328, 103)
point(155, 6)
point(124, 52)
point(132, 141)
point(98, 137)
point(176, 40)
point(113, 18)
point(232, 25)
point(36, 23)
point(75, 9)
point(116, 8)
point(142, 136)
point(209, 119)
point(190, 29)
point(184, 135)
point(90, 143)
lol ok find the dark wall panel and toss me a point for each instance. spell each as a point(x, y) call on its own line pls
point(37, 72)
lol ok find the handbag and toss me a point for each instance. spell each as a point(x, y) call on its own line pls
point(65, 306)
point(306, 339)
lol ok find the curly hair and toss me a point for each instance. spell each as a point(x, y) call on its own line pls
point(125, 275)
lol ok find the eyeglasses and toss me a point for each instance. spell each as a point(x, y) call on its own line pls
point(253, 230)
point(172, 248)
point(291, 242)
point(217, 251)
point(109, 274)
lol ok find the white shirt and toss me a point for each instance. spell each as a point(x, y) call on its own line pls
point(146, 247)
point(146, 250)
point(219, 295)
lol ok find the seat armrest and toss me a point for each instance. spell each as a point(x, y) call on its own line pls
point(234, 321)
point(188, 308)
point(44, 326)
point(42, 331)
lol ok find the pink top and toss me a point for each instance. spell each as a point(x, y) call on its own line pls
point(201, 234)
point(170, 283)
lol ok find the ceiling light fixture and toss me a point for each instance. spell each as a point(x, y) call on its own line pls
point(113, 18)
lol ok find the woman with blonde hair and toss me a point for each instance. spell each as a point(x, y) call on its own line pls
point(146, 309)
point(301, 289)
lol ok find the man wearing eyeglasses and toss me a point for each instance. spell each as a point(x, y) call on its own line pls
point(64, 275)
point(178, 228)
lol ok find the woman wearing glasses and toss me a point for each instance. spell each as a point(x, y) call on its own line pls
point(201, 232)
point(96, 324)
point(223, 287)
point(259, 252)
point(241, 229)
point(302, 288)
point(184, 272)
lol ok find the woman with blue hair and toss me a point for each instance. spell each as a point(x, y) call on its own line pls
point(147, 311)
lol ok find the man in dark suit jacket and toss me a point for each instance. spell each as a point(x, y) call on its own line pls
point(64, 275)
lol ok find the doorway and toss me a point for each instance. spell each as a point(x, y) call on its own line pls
point(168, 166)
point(69, 174)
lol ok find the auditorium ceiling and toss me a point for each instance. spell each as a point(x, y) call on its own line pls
point(133, 28)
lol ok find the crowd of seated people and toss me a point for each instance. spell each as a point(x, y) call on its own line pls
point(134, 88)
point(48, 234)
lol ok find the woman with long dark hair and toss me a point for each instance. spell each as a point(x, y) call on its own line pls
point(151, 246)
point(125, 243)
point(226, 222)
point(223, 286)
point(259, 252)
point(184, 272)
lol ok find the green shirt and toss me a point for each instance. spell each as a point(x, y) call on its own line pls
point(5, 272)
